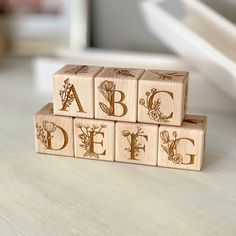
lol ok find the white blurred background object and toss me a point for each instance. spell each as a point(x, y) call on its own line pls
point(199, 35)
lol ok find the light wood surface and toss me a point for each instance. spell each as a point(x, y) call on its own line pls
point(59, 196)
point(136, 143)
point(94, 139)
point(73, 91)
point(162, 97)
point(183, 147)
point(116, 94)
point(53, 134)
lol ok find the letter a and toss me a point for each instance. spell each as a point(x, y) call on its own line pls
point(70, 97)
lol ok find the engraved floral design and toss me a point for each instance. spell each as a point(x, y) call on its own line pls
point(49, 126)
point(170, 147)
point(135, 146)
point(192, 121)
point(166, 75)
point(66, 97)
point(77, 69)
point(43, 133)
point(107, 89)
point(124, 72)
point(87, 135)
point(153, 106)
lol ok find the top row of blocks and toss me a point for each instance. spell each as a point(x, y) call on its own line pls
point(148, 96)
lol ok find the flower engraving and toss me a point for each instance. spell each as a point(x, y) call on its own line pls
point(49, 126)
point(153, 106)
point(123, 72)
point(166, 75)
point(107, 89)
point(87, 139)
point(77, 69)
point(43, 133)
point(170, 147)
point(135, 144)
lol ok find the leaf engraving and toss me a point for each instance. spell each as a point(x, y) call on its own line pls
point(105, 108)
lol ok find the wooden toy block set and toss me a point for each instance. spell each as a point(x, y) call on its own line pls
point(122, 115)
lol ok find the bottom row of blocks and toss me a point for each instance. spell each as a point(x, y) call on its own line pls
point(168, 146)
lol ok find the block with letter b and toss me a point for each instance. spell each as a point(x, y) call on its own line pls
point(53, 134)
point(136, 143)
point(94, 139)
point(73, 91)
point(183, 147)
point(116, 94)
point(162, 97)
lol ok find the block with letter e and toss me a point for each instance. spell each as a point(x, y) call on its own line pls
point(94, 139)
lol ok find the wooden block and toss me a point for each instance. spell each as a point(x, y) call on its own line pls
point(53, 134)
point(162, 97)
point(116, 94)
point(73, 90)
point(183, 147)
point(136, 143)
point(94, 139)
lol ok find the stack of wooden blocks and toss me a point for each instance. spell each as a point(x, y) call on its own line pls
point(123, 115)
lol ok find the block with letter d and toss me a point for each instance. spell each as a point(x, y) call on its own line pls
point(53, 134)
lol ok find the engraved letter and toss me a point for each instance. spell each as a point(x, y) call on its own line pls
point(135, 144)
point(108, 91)
point(45, 134)
point(68, 95)
point(87, 139)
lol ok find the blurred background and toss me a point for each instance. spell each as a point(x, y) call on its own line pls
point(38, 36)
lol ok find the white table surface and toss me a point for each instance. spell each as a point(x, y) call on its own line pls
point(50, 195)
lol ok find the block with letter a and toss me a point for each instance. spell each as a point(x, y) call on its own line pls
point(73, 90)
